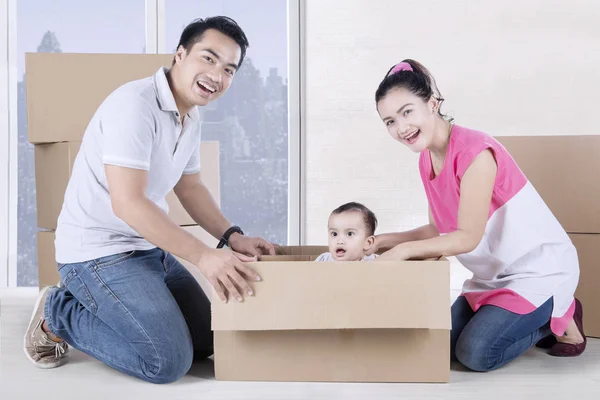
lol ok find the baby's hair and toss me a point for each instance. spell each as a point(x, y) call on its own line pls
point(368, 215)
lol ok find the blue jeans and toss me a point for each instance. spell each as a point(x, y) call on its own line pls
point(492, 337)
point(139, 312)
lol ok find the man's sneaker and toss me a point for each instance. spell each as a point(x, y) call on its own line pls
point(39, 348)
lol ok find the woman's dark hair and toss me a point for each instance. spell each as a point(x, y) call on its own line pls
point(194, 32)
point(419, 81)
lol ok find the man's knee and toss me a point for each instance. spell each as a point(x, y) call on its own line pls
point(171, 363)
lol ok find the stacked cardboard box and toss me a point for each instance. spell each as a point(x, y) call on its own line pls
point(564, 170)
point(63, 93)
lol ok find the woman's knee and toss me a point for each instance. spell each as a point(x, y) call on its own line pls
point(476, 355)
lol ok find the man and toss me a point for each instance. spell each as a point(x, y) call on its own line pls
point(124, 299)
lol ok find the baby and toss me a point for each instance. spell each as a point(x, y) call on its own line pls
point(351, 234)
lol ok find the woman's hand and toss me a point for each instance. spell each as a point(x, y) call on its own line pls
point(398, 253)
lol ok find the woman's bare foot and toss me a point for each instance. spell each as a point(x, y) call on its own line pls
point(572, 335)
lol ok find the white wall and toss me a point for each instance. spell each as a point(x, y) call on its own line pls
point(505, 67)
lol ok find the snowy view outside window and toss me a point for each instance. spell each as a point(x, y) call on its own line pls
point(250, 121)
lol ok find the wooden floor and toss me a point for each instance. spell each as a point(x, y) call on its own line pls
point(534, 376)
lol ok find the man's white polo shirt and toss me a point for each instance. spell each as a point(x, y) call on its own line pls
point(137, 126)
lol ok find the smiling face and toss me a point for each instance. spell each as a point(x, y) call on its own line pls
point(204, 72)
point(408, 118)
point(348, 237)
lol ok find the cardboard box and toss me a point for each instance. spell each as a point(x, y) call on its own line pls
point(588, 290)
point(54, 163)
point(64, 90)
point(564, 170)
point(48, 270)
point(53, 167)
point(338, 322)
point(47, 267)
point(211, 177)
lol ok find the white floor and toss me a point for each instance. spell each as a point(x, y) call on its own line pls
point(534, 374)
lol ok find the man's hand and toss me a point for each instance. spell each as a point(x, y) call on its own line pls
point(227, 274)
point(250, 246)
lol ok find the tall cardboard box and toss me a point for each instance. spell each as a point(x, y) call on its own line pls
point(48, 269)
point(589, 284)
point(64, 90)
point(54, 163)
point(337, 322)
point(564, 170)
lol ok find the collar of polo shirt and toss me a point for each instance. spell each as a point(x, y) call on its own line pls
point(165, 96)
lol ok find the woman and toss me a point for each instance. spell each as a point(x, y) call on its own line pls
point(483, 210)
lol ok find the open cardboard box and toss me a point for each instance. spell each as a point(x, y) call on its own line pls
point(337, 322)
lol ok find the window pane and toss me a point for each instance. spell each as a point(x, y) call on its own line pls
point(251, 120)
point(73, 26)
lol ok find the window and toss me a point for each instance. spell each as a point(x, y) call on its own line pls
point(250, 121)
point(74, 26)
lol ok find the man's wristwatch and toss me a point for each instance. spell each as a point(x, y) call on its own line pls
point(225, 238)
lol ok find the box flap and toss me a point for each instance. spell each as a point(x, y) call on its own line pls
point(288, 258)
point(300, 250)
point(564, 170)
point(341, 295)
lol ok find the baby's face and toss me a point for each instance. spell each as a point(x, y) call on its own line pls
point(348, 239)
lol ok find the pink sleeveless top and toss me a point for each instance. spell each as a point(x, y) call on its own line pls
point(525, 256)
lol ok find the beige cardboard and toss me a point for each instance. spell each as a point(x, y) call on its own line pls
point(564, 170)
point(210, 174)
point(342, 295)
point(300, 250)
point(64, 90)
point(588, 290)
point(361, 355)
point(47, 267)
point(288, 258)
point(53, 167)
point(342, 322)
point(54, 162)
